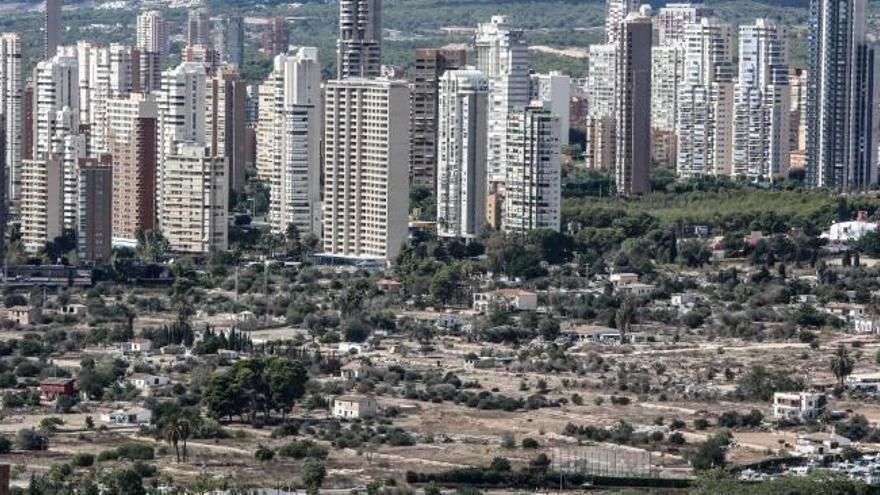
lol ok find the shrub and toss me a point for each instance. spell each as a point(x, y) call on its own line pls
point(529, 443)
point(263, 454)
point(29, 439)
point(83, 459)
point(701, 423)
point(135, 451)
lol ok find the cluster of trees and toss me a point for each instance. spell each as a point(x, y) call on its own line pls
point(256, 386)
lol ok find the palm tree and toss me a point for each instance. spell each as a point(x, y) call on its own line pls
point(172, 436)
point(184, 429)
point(841, 364)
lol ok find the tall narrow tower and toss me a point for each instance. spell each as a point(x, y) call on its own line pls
point(51, 28)
point(359, 47)
point(633, 149)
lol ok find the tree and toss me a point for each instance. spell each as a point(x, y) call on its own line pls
point(172, 436)
point(625, 315)
point(313, 474)
point(126, 481)
point(841, 364)
point(711, 453)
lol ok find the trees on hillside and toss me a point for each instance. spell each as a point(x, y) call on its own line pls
point(256, 386)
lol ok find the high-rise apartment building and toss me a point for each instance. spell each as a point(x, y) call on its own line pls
point(225, 127)
point(797, 123)
point(359, 46)
point(149, 72)
point(366, 155)
point(430, 64)
point(761, 137)
point(152, 33)
point(601, 140)
point(51, 27)
point(841, 94)
point(198, 27)
point(182, 104)
point(461, 153)
point(616, 12)
point(502, 55)
point(41, 202)
point(704, 118)
point(95, 209)
point(11, 111)
point(289, 141)
point(673, 17)
point(74, 147)
point(195, 195)
point(227, 34)
point(56, 103)
point(601, 80)
point(277, 38)
point(132, 144)
point(534, 177)
point(554, 91)
point(633, 135)
point(4, 204)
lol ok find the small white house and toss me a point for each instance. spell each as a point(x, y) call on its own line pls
point(354, 407)
point(619, 279)
point(683, 299)
point(820, 444)
point(137, 345)
point(509, 299)
point(143, 381)
point(130, 416)
point(798, 406)
point(865, 383)
point(356, 347)
point(637, 290)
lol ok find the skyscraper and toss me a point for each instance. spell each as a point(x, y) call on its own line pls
point(430, 64)
point(56, 103)
point(616, 12)
point(359, 46)
point(182, 119)
point(195, 195)
point(227, 34)
point(704, 118)
point(633, 145)
point(601, 80)
point(502, 55)
point(841, 142)
point(366, 154)
point(673, 17)
point(533, 198)
point(94, 209)
point(41, 202)
point(554, 90)
point(277, 37)
point(289, 136)
point(51, 27)
point(11, 110)
point(225, 127)
point(761, 111)
point(198, 27)
point(132, 143)
point(461, 153)
point(152, 33)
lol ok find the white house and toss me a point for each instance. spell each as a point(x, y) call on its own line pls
point(509, 299)
point(354, 407)
point(683, 299)
point(866, 324)
point(143, 381)
point(798, 406)
point(352, 370)
point(866, 383)
point(844, 232)
point(637, 290)
point(137, 345)
point(820, 444)
point(131, 416)
point(357, 347)
point(623, 278)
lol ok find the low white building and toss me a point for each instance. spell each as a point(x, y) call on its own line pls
point(137, 345)
point(354, 407)
point(509, 299)
point(798, 406)
point(357, 347)
point(130, 416)
point(820, 444)
point(683, 299)
point(143, 381)
point(865, 383)
point(637, 290)
point(866, 324)
point(844, 232)
point(623, 278)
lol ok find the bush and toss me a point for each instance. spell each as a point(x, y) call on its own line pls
point(135, 451)
point(5, 444)
point(83, 459)
point(701, 423)
point(29, 439)
point(529, 443)
point(263, 454)
point(300, 449)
